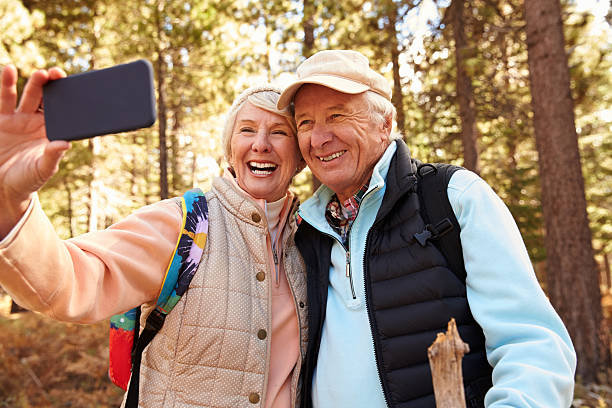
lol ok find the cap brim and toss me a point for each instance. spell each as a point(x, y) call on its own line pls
point(330, 81)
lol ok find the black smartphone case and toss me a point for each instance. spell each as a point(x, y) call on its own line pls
point(106, 101)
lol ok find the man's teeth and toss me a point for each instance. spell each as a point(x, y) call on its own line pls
point(262, 168)
point(332, 156)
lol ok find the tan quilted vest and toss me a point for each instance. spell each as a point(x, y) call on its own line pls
point(208, 353)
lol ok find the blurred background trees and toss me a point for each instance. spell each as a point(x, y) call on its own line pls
point(460, 72)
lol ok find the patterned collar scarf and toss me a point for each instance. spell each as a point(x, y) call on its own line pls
point(340, 216)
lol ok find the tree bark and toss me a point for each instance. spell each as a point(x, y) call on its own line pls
point(397, 99)
point(391, 11)
point(94, 145)
point(177, 183)
point(308, 26)
point(445, 355)
point(307, 51)
point(69, 214)
point(465, 91)
point(161, 109)
point(572, 275)
point(606, 272)
point(93, 215)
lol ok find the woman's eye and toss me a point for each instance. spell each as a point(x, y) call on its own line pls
point(246, 130)
point(279, 132)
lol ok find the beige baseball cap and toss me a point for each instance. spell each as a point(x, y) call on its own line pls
point(342, 70)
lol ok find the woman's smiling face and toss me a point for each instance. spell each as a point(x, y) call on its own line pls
point(264, 153)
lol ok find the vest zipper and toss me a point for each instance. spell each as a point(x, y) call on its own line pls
point(275, 256)
point(373, 330)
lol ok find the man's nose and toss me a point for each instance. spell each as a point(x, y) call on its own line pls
point(320, 135)
point(261, 144)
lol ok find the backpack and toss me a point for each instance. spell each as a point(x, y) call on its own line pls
point(441, 225)
point(126, 342)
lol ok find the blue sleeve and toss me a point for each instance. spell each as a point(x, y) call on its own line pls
point(527, 344)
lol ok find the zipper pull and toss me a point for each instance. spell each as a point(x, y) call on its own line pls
point(348, 264)
point(275, 263)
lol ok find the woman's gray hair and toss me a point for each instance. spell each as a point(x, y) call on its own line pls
point(380, 109)
point(261, 96)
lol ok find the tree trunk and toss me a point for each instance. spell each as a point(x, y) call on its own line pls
point(391, 17)
point(161, 109)
point(307, 51)
point(147, 168)
point(605, 272)
point(177, 184)
point(133, 170)
point(572, 275)
point(308, 26)
point(93, 216)
point(161, 113)
point(465, 91)
point(69, 204)
point(397, 99)
point(94, 146)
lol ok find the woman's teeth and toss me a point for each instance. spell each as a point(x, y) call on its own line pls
point(262, 168)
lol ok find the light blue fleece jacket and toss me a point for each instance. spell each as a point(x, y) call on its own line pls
point(527, 344)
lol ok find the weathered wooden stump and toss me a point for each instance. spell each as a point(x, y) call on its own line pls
point(445, 355)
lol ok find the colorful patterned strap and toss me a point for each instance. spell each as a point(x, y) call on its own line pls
point(182, 267)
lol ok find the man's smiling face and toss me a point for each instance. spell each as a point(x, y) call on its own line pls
point(339, 137)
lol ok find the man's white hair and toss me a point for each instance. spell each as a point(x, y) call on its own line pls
point(381, 109)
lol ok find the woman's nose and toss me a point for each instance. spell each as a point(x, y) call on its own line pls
point(261, 144)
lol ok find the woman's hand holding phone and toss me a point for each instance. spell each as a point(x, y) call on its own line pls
point(27, 158)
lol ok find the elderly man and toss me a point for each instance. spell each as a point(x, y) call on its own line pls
point(377, 297)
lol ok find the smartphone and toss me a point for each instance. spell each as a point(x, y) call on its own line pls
point(100, 102)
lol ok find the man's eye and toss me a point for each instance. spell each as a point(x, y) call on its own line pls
point(336, 116)
point(304, 122)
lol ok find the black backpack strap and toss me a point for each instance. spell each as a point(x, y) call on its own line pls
point(442, 227)
point(155, 321)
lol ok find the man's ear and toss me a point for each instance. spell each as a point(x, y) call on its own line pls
point(386, 126)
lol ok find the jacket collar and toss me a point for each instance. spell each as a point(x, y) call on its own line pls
point(401, 179)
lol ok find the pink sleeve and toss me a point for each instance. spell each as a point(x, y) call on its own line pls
point(95, 275)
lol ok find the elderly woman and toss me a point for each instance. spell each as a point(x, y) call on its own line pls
point(233, 340)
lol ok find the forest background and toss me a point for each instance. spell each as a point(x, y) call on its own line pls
point(464, 77)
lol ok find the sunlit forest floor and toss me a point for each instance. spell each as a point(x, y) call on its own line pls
point(44, 363)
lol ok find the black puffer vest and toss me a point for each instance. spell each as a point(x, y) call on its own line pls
point(411, 295)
